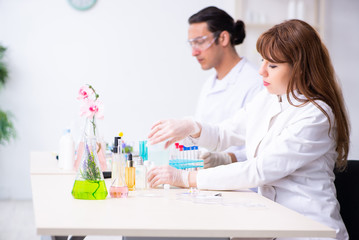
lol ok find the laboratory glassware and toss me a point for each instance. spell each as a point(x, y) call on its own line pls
point(143, 151)
point(140, 175)
point(91, 129)
point(89, 183)
point(118, 187)
point(130, 174)
point(158, 154)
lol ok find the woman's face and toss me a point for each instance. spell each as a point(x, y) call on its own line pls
point(276, 76)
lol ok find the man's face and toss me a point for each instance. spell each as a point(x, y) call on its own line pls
point(203, 45)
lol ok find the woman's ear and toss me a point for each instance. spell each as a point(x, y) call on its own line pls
point(224, 38)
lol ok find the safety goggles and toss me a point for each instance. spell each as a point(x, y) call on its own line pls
point(201, 43)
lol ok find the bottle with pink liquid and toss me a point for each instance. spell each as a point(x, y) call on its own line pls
point(118, 187)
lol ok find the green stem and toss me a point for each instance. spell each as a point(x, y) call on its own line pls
point(98, 186)
point(93, 125)
point(94, 91)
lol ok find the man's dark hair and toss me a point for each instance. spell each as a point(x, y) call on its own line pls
point(219, 21)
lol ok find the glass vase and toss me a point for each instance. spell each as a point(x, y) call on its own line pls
point(91, 131)
point(89, 183)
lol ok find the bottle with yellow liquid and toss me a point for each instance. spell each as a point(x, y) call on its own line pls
point(130, 174)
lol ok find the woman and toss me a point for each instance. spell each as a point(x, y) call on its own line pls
point(296, 132)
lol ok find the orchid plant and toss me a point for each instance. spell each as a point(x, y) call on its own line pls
point(91, 108)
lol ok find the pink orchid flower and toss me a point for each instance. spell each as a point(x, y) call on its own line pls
point(84, 92)
point(91, 108)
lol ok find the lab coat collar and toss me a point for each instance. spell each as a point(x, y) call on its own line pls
point(276, 107)
point(281, 102)
point(283, 99)
point(228, 79)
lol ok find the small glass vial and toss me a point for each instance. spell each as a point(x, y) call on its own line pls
point(141, 172)
point(130, 174)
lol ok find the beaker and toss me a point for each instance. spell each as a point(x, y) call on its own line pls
point(158, 154)
point(89, 183)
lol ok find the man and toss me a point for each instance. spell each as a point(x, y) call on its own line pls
point(213, 34)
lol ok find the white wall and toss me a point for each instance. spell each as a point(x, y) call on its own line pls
point(135, 55)
point(342, 34)
point(133, 52)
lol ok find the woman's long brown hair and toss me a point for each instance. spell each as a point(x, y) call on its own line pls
point(297, 43)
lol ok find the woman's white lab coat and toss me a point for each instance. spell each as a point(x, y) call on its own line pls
point(221, 99)
point(291, 156)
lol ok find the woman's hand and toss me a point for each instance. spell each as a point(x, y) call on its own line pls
point(214, 159)
point(167, 175)
point(173, 130)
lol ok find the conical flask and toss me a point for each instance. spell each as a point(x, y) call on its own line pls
point(91, 130)
point(118, 187)
point(89, 183)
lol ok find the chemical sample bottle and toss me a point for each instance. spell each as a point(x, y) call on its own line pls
point(130, 174)
point(67, 151)
point(143, 150)
point(141, 172)
point(118, 187)
point(89, 183)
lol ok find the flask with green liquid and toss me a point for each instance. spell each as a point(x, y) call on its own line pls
point(89, 183)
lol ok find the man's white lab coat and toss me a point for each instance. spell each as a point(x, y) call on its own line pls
point(221, 99)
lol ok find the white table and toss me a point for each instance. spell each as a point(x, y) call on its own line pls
point(160, 213)
point(45, 163)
